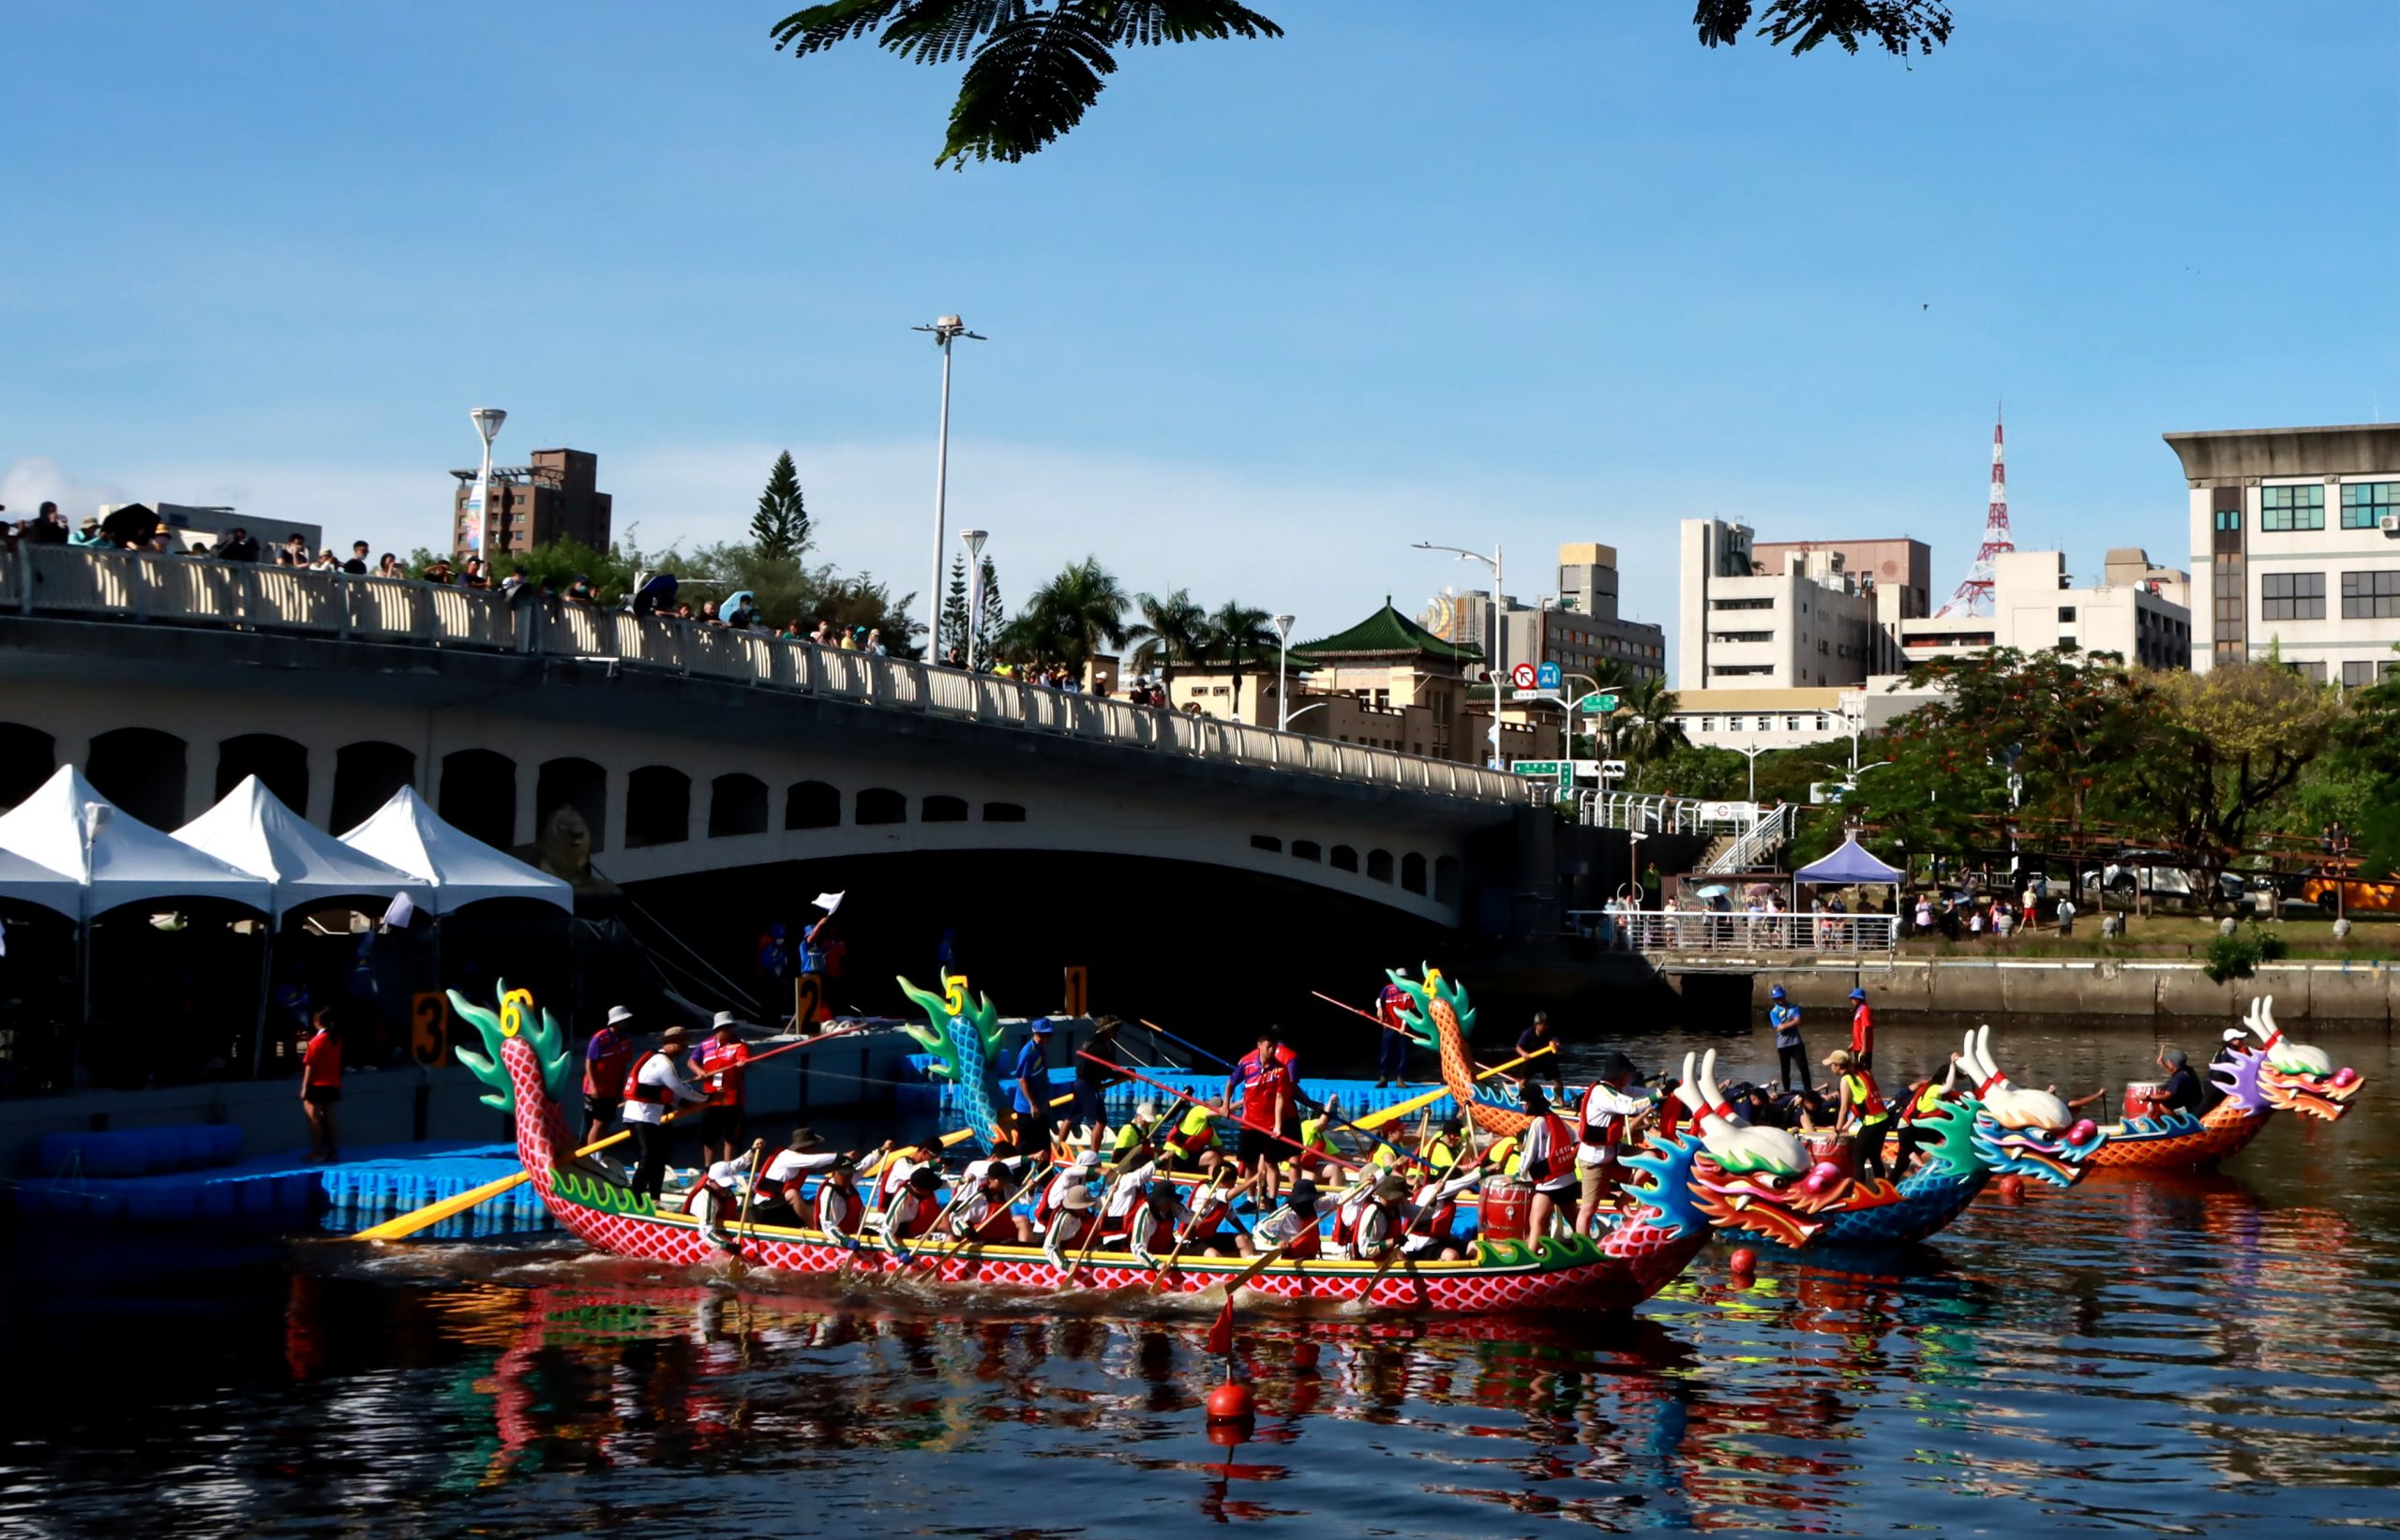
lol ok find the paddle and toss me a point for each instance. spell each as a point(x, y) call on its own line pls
point(749, 1190)
point(1369, 1016)
point(1221, 1335)
point(432, 1214)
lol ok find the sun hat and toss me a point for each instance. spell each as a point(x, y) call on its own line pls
point(1042, 1028)
point(723, 1020)
point(619, 1015)
point(1076, 1198)
point(673, 1033)
point(1838, 1056)
point(1858, 995)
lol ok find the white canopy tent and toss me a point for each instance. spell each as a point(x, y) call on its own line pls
point(30, 882)
point(459, 868)
point(115, 859)
point(250, 829)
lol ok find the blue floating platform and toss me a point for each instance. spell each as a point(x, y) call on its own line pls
point(283, 1191)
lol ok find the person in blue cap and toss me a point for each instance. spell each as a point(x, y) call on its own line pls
point(1782, 1015)
point(1030, 1076)
point(1862, 1030)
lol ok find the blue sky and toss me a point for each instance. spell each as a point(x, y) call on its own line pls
point(1529, 273)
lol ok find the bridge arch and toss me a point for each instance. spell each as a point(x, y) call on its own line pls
point(365, 776)
point(281, 764)
point(658, 806)
point(478, 794)
point(812, 804)
point(142, 770)
point(1342, 859)
point(1412, 873)
point(882, 805)
point(737, 805)
point(942, 810)
point(572, 784)
point(27, 757)
point(1378, 866)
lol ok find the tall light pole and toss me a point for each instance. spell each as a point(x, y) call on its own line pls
point(1499, 632)
point(945, 331)
point(487, 421)
point(1283, 673)
point(973, 540)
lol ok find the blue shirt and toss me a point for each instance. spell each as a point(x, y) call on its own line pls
point(1032, 1067)
point(1785, 1019)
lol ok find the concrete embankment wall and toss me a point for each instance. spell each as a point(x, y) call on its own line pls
point(2367, 992)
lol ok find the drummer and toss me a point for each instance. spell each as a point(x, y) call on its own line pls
point(2180, 1092)
point(1293, 1226)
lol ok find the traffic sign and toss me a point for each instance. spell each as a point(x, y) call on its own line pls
point(1547, 676)
point(1522, 675)
point(1599, 703)
point(1549, 695)
point(1560, 771)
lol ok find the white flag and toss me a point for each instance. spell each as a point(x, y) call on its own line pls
point(829, 902)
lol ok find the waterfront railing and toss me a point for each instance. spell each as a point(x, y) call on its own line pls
point(1673, 931)
point(142, 587)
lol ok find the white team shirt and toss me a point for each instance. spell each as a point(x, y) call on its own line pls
point(1601, 1102)
point(659, 1070)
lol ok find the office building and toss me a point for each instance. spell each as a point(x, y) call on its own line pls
point(2138, 611)
point(1578, 627)
point(1806, 622)
point(2296, 547)
point(555, 497)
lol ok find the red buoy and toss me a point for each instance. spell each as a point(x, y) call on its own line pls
point(1744, 1262)
point(1229, 1401)
point(2012, 1189)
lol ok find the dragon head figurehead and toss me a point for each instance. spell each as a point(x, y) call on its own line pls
point(536, 1033)
point(2013, 1130)
point(1436, 1004)
point(962, 1030)
point(1761, 1179)
point(2292, 1077)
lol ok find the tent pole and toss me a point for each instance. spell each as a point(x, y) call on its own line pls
point(267, 993)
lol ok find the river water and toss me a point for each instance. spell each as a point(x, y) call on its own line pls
point(2174, 1355)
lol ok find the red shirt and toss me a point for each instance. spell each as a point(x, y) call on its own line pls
point(722, 1064)
point(321, 1063)
point(1862, 1031)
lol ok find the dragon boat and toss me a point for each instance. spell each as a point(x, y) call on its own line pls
point(2278, 1075)
point(528, 1068)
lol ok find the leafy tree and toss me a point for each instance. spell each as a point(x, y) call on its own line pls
point(1643, 728)
point(1070, 619)
point(1035, 66)
point(780, 527)
point(1236, 632)
point(954, 612)
point(2224, 747)
point(2357, 783)
point(1171, 630)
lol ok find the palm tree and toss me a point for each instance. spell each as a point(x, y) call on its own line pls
point(1233, 632)
point(1645, 727)
point(1070, 618)
point(1170, 631)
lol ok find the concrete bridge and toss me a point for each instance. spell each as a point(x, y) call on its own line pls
point(687, 749)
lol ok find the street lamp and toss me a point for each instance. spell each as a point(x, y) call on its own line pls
point(1752, 754)
point(487, 421)
point(1499, 631)
point(1282, 688)
point(973, 540)
point(945, 331)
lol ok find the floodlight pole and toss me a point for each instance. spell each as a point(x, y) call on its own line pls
point(945, 331)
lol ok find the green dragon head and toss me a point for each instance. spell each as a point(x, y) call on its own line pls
point(949, 1016)
point(1428, 1003)
point(516, 1017)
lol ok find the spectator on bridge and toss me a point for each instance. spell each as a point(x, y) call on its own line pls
point(50, 527)
point(477, 575)
point(88, 535)
point(357, 566)
point(437, 571)
point(874, 643)
point(389, 566)
point(579, 591)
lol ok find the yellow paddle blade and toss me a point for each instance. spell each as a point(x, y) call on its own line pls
point(433, 1214)
point(1401, 1109)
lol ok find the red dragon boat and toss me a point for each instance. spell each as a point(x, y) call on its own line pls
point(528, 1067)
point(2278, 1075)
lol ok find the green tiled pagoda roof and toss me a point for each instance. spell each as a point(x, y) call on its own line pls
point(1385, 633)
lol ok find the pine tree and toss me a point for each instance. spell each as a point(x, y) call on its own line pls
point(953, 612)
point(780, 527)
point(995, 616)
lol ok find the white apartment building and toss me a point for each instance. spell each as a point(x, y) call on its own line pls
point(2136, 610)
point(1807, 624)
point(2296, 544)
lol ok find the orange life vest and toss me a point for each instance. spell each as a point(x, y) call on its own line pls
point(721, 1063)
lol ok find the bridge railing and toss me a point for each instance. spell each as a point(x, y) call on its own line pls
point(1660, 931)
point(83, 583)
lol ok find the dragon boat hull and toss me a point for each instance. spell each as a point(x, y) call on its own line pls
point(1506, 1276)
point(2179, 1140)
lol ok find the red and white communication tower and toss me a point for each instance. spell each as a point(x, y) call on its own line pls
point(1975, 595)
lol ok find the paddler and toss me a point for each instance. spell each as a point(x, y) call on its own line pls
point(1545, 1162)
point(1079, 1171)
point(912, 1211)
point(717, 1067)
point(1070, 1227)
point(1316, 1141)
point(1163, 1223)
point(1295, 1226)
point(1193, 1145)
point(1605, 1121)
point(1368, 1215)
point(839, 1207)
point(652, 1085)
point(782, 1179)
point(1429, 1223)
point(1862, 1101)
point(1135, 1129)
point(717, 1196)
point(988, 1216)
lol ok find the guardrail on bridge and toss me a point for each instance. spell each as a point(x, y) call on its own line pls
point(1662, 931)
point(81, 583)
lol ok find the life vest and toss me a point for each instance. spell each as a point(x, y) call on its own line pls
point(636, 1091)
point(1195, 1133)
point(1441, 1153)
point(919, 1219)
point(1439, 1223)
point(1670, 1118)
point(1558, 1152)
point(721, 1063)
point(1305, 1246)
point(997, 1225)
point(1866, 1096)
point(608, 1068)
point(836, 1211)
point(1605, 1134)
point(1346, 1222)
point(706, 1183)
